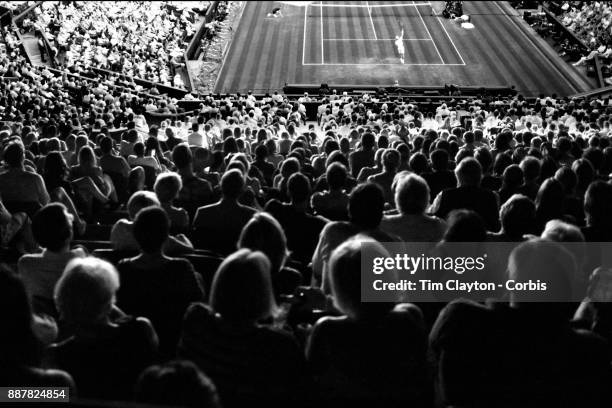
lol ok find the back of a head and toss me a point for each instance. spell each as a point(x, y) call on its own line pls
point(140, 200)
point(569, 236)
point(151, 229)
point(181, 155)
point(584, 171)
point(597, 201)
point(368, 141)
point(336, 175)
point(176, 383)
point(391, 159)
point(412, 194)
point(345, 278)
point(232, 184)
point(513, 176)
point(261, 152)
point(14, 154)
point(366, 205)
point(55, 166)
point(289, 166)
point(567, 178)
point(439, 159)
point(550, 195)
point(465, 226)
point(531, 168)
point(139, 149)
point(85, 293)
point(106, 145)
point(298, 188)
point(242, 287)
point(418, 163)
point(264, 233)
point(546, 261)
point(167, 186)
point(517, 216)
point(87, 156)
point(469, 172)
point(52, 227)
point(484, 157)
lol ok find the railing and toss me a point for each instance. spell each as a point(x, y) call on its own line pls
point(171, 91)
point(552, 18)
point(571, 36)
point(25, 12)
point(48, 48)
point(93, 80)
point(601, 92)
point(194, 44)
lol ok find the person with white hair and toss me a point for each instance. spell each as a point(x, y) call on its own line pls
point(107, 349)
point(412, 224)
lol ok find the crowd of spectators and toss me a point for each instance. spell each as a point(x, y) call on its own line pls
point(591, 23)
point(216, 259)
point(141, 40)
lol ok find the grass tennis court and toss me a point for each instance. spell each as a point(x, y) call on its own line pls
point(343, 43)
point(372, 29)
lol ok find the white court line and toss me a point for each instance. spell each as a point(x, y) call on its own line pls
point(428, 33)
point(378, 39)
point(304, 40)
point(376, 64)
point(371, 21)
point(322, 49)
point(451, 40)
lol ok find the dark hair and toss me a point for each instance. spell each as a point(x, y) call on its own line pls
point(439, 159)
point(298, 188)
point(51, 228)
point(176, 383)
point(336, 175)
point(139, 149)
point(18, 344)
point(106, 144)
point(484, 157)
point(597, 201)
point(366, 205)
point(418, 163)
point(232, 184)
point(517, 216)
point(368, 141)
point(549, 201)
point(261, 152)
point(502, 160)
point(513, 177)
point(465, 226)
point(55, 170)
point(151, 229)
point(181, 155)
point(14, 154)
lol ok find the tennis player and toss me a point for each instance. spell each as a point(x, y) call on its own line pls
point(399, 43)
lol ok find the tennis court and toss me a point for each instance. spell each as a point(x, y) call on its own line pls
point(353, 43)
point(372, 28)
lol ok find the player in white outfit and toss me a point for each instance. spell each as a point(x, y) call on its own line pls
point(399, 43)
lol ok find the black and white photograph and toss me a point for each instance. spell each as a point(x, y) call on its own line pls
point(306, 204)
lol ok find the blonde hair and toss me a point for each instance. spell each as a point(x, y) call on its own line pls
point(242, 287)
point(85, 293)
